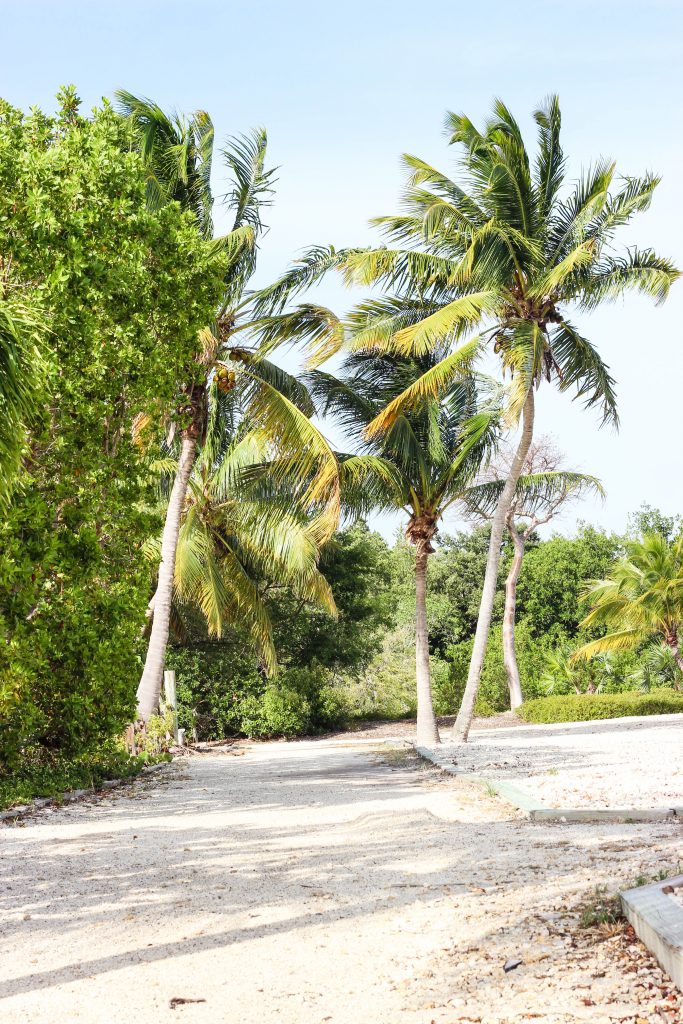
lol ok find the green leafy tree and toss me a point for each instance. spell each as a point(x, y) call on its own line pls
point(122, 291)
point(652, 520)
point(554, 577)
point(640, 600)
point(496, 260)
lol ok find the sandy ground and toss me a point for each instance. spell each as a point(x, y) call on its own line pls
point(620, 763)
point(311, 882)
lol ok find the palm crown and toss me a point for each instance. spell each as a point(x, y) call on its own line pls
point(427, 459)
point(501, 258)
point(641, 599)
point(232, 539)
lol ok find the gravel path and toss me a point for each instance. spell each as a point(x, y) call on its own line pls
point(312, 882)
point(619, 763)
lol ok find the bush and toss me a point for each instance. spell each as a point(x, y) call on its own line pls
point(50, 775)
point(591, 707)
point(220, 693)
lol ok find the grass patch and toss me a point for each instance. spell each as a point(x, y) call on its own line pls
point(574, 707)
point(48, 775)
point(601, 908)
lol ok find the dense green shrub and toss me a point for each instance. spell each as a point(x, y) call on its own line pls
point(50, 775)
point(590, 707)
point(123, 291)
point(221, 693)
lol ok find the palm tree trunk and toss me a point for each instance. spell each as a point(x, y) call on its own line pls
point(678, 658)
point(464, 719)
point(427, 729)
point(149, 687)
point(509, 650)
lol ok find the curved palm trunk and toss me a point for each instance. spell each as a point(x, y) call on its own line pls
point(427, 729)
point(464, 719)
point(509, 650)
point(149, 687)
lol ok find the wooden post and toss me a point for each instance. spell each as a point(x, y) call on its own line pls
point(169, 693)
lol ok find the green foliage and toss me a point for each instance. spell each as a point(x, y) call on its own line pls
point(221, 693)
point(553, 578)
point(652, 520)
point(43, 774)
point(590, 707)
point(221, 689)
point(493, 696)
point(123, 291)
point(641, 599)
point(158, 733)
point(358, 565)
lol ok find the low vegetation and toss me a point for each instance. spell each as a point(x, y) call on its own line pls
point(591, 707)
point(42, 775)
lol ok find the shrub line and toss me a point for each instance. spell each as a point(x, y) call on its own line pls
point(72, 795)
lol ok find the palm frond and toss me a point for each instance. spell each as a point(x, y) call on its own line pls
point(449, 322)
point(431, 384)
point(581, 366)
point(550, 163)
point(536, 493)
point(316, 328)
point(639, 270)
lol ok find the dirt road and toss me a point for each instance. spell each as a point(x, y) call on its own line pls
point(311, 882)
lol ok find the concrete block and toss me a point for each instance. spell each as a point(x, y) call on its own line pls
point(658, 922)
point(596, 814)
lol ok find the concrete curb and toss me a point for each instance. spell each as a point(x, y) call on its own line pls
point(658, 921)
point(536, 811)
point(73, 795)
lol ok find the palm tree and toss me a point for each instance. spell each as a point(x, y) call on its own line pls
point(423, 465)
point(641, 600)
point(495, 261)
point(542, 492)
point(232, 539)
point(179, 153)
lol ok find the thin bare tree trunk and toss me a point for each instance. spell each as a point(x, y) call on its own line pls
point(149, 687)
point(464, 720)
point(509, 650)
point(427, 729)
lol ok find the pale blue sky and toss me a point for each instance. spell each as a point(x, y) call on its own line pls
point(344, 89)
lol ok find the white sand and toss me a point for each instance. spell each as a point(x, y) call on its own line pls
point(620, 763)
point(305, 883)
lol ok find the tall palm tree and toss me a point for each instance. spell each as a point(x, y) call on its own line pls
point(641, 599)
point(423, 464)
point(178, 152)
point(498, 260)
point(541, 493)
